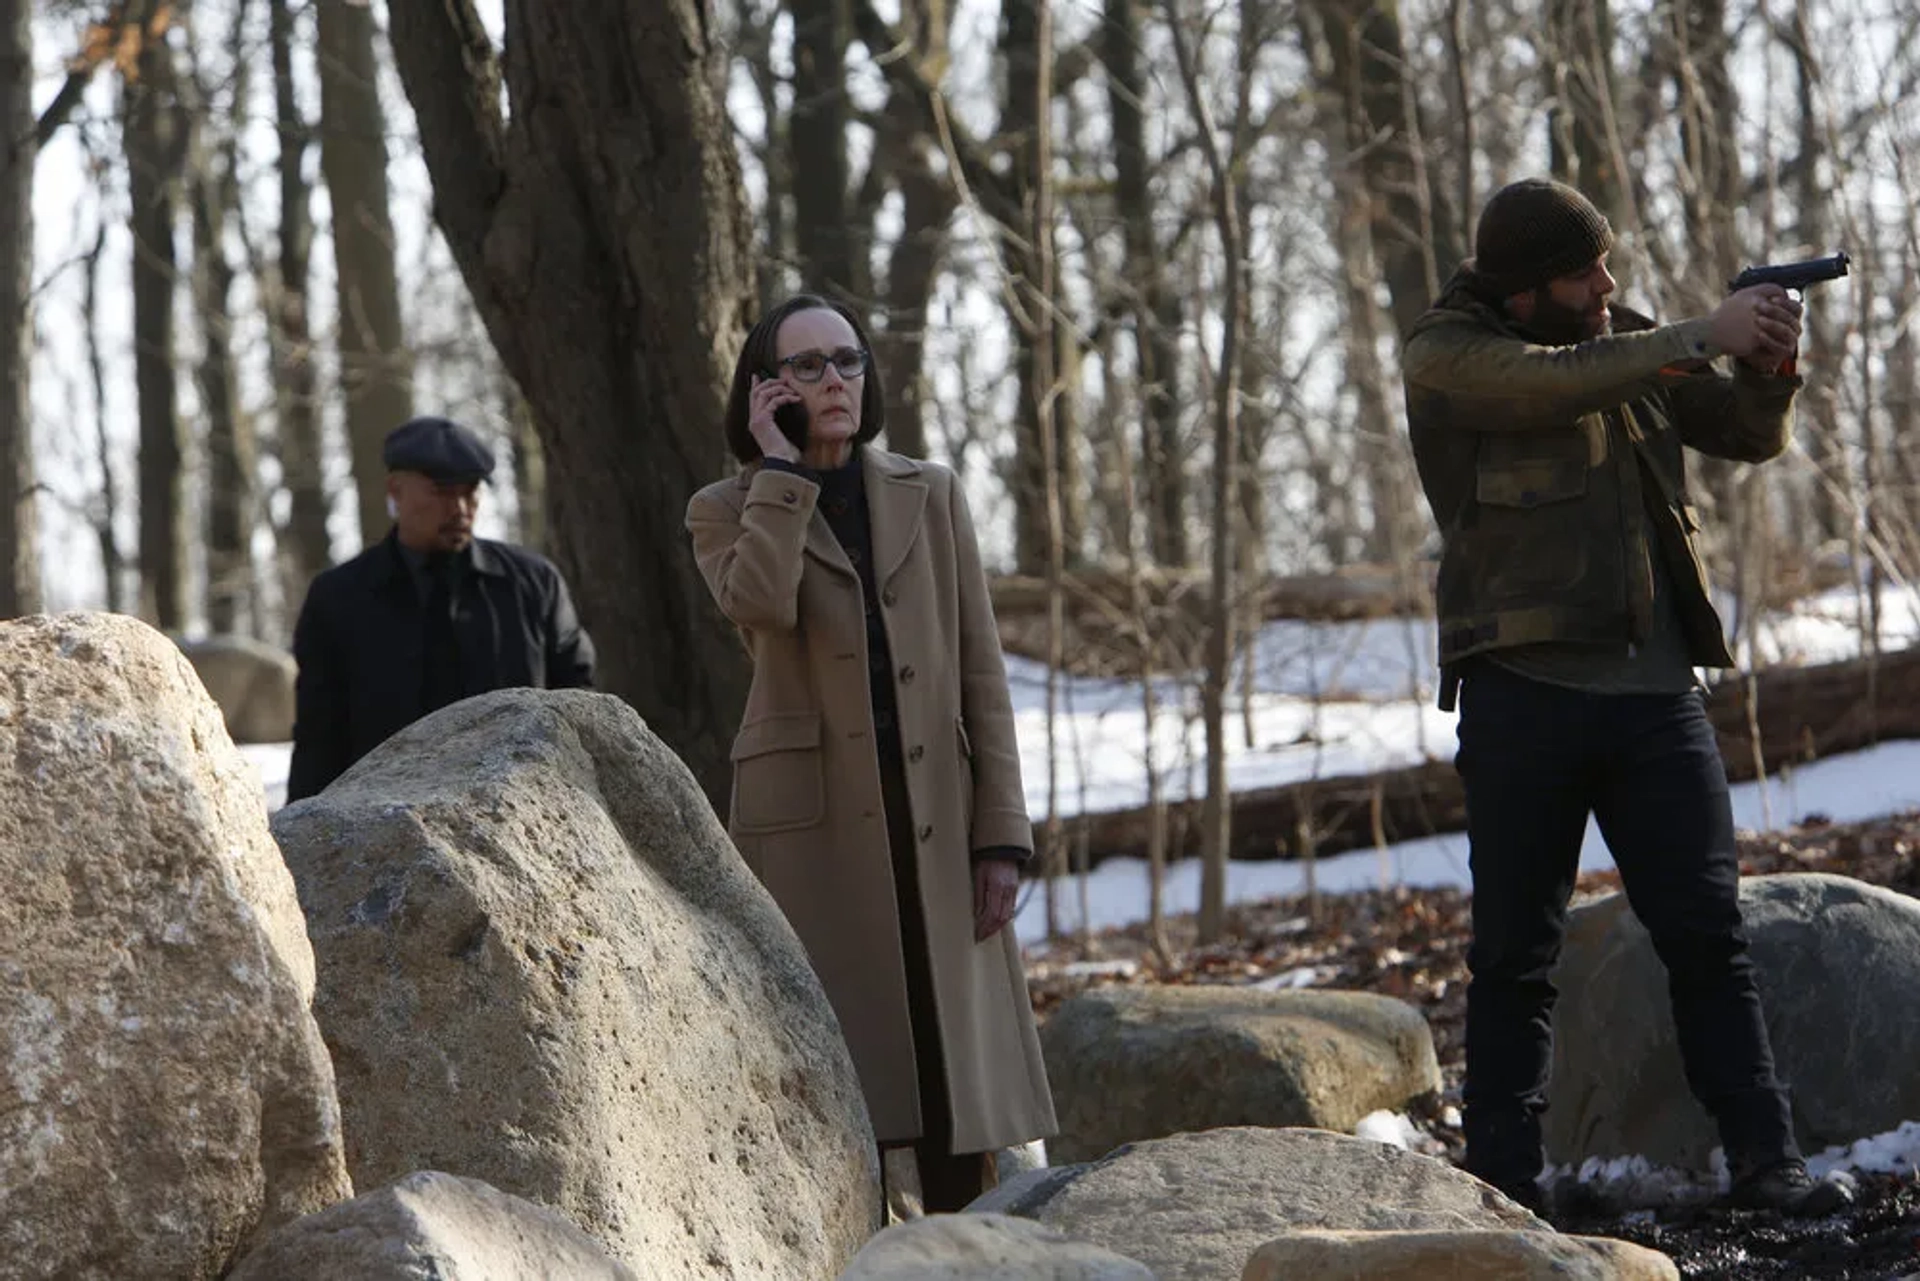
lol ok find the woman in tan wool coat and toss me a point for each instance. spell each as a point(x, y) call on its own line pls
point(876, 785)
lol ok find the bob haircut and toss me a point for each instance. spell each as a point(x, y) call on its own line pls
point(760, 355)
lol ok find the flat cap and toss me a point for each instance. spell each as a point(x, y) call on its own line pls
point(438, 447)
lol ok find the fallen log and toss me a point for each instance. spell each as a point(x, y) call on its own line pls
point(1802, 714)
point(1101, 635)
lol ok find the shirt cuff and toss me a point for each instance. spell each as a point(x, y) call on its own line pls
point(1012, 853)
point(1696, 337)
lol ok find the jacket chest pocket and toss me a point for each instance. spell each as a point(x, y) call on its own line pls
point(1530, 534)
point(1530, 483)
point(779, 779)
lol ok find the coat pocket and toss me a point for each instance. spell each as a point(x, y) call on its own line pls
point(1533, 483)
point(779, 779)
point(1530, 533)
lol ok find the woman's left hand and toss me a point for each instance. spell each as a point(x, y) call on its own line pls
point(996, 884)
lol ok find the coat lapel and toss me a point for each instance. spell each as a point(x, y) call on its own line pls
point(825, 548)
point(896, 499)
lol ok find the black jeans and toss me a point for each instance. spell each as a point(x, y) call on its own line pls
point(1536, 759)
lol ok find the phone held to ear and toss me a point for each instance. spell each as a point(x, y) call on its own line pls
point(791, 419)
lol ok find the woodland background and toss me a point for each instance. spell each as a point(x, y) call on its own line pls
point(1139, 270)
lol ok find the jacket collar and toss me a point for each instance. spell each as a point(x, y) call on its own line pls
point(390, 566)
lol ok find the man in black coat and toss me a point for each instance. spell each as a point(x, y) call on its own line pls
point(426, 617)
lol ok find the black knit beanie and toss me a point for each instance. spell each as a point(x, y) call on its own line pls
point(1533, 231)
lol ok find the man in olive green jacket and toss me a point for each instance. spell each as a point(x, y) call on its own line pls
point(1548, 427)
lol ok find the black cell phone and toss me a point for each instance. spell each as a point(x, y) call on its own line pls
point(791, 419)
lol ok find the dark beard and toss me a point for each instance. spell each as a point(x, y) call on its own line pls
point(1558, 325)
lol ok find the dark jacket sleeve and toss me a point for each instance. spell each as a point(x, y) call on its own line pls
point(1497, 381)
point(1747, 418)
point(569, 648)
point(320, 701)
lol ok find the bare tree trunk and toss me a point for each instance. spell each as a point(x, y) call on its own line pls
point(107, 519)
point(1217, 820)
point(1900, 499)
point(755, 51)
point(912, 273)
point(1818, 403)
point(1153, 307)
point(1025, 119)
point(913, 262)
point(529, 467)
point(1581, 82)
point(1709, 112)
point(1461, 105)
point(1041, 379)
point(296, 389)
point(376, 369)
point(19, 555)
point(1710, 189)
point(1146, 657)
point(1409, 219)
point(1869, 526)
point(1349, 66)
point(230, 455)
point(823, 230)
point(156, 147)
point(602, 229)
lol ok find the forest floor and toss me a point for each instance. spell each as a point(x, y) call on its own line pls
point(1412, 944)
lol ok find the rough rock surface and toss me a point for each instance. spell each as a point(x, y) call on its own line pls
point(1130, 1063)
point(1194, 1207)
point(1455, 1256)
point(1838, 965)
point(164, 1093)
point(432, 1227)
point(543, 965)
point(985, 1247)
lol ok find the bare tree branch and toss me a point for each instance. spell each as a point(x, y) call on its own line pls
point(452, 75)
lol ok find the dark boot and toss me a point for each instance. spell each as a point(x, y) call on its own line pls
point(1787, 1187)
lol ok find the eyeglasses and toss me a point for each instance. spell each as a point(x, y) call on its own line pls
point(811, 366)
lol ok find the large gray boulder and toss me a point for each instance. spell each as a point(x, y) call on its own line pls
point(164, 1093)
point(432, 1227)
point(1130, 1063)
point(1194, 1207)
point(543, 965)
point(251, 681)
point(1838, 964)
point(985, 1247)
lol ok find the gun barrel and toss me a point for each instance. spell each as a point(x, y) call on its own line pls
point(1793, 275)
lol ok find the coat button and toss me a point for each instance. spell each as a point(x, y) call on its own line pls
point(888, 598)
point(926, 832)
point(790, 497)
point(915, 752)
point(906, 675)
